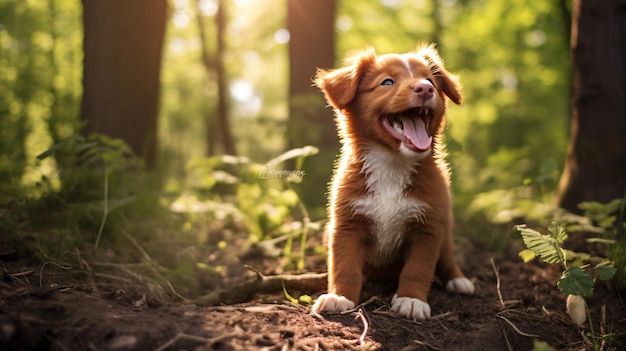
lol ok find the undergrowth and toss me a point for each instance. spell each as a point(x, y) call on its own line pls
point(106, 221)
point(582, 270)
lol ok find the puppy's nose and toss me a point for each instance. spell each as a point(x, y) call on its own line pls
point(424, 90)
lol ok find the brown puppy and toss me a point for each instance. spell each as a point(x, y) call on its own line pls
point(389, 213)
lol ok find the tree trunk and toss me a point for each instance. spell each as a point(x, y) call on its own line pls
point(595, 168)
point(311, 24)
point(223, 100)
point(123, 46)
point(208, 61)
point(219, 134)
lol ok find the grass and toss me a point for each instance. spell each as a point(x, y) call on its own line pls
point(106, 222)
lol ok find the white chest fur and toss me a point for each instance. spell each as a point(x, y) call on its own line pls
point(387, 176)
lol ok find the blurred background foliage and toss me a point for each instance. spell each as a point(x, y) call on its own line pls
point(506, 142)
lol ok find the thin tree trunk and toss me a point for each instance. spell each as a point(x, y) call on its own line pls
point(211, 121)
point(219, 133)
point(123, 50)
point(311, 24)
point(223, 105)
point(595, 168)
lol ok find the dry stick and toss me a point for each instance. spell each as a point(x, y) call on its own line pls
point(515, 328)
point(52, 263)
point(497, 272)
point(444, 315)
point(244, 291)
point(152, 265)
point(506, 336)
point(358, 308)
point(503, 306)
point(602, 325)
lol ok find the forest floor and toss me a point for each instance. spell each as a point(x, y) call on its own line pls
point(516, 307)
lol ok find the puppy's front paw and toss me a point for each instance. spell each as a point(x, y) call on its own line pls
point(332, 303)
point(460, 285)
point(410, 307)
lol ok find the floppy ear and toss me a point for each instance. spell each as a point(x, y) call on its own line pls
point(340, 85)
point(447, 82)
point(451, 86)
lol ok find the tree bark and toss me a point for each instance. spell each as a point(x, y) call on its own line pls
point(123, 49)
point(311, 24)
point(223, 100)
point(208, 61)
point(595, 168)
point(219, 135)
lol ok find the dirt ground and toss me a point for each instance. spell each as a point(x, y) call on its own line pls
point(516, 307)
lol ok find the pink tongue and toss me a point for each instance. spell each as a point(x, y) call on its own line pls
point(415, 130)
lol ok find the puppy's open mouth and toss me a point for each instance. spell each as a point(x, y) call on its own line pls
point(410, 127)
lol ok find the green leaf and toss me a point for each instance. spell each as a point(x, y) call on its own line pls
point(605, 270)
point(544, 246)
point(575, 281)
point(558, 233)
point(607, 222)
point(601, 241)
point(63, 144)
point(527, 255)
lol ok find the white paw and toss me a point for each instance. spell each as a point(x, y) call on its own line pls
point(332, 303)
point(460, 285)
point(410, 307)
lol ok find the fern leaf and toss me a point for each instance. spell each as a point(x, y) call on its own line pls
point(544, 246)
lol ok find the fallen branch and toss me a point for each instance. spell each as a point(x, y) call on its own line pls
point(245, 291)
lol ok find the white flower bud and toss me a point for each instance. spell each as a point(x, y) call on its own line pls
point(576, 308)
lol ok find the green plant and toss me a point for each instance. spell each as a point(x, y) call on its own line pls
point(259, 195)
point(303, 299)
point(609, 220)
point(90, 183)
point(580, 270)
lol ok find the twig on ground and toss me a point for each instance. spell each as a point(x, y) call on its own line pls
point(383, 311)
point(244, 291)
point(16, 276)
point(497, 272)
point(52, 263)
point(505, 334)
point(444, 315)
point(153, 266)
point(360, 306)
point(515, 328)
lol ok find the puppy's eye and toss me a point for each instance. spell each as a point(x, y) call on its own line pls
point(388, 81)
point(431, 81)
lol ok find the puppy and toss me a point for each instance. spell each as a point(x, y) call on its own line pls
point(390, 212)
